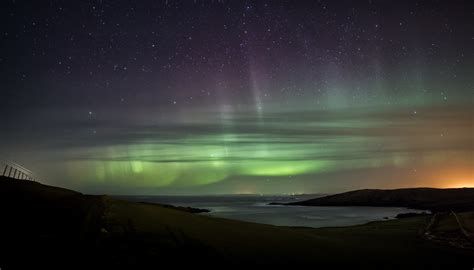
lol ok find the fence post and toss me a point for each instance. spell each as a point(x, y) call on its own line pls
point(10, 171)
point(5, 171)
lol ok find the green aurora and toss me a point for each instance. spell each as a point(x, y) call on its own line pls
point(227, 97)
point(280, 151)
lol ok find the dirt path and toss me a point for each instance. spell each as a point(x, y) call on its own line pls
point(447, 229)
point(464, 226)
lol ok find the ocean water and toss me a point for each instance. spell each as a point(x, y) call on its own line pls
point(253, 208)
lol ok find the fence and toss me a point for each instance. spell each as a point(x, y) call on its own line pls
point(16, 171)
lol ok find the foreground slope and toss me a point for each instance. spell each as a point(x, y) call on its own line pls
point(455, 199)
point(58, 228)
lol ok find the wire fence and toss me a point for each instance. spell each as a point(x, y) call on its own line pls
point(16, 171)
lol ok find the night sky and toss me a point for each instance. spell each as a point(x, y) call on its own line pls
point(227, 97)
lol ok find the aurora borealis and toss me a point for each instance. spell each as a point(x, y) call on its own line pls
point(225, 97)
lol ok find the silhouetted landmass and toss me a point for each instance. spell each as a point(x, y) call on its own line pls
point(44, 227)
point(455, 199)
point(181, 208)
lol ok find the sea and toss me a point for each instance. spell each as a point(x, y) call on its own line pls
point(256, 208)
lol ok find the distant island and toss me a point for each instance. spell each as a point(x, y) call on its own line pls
point(433, 199)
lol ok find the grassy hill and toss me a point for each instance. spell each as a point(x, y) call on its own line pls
point(44, 226)
point(455, 199)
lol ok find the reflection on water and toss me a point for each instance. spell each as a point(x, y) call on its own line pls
point(256, 209)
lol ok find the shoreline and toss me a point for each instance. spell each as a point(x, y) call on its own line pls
point(101, 231)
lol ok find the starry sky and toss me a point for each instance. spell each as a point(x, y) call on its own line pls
point(238, 97)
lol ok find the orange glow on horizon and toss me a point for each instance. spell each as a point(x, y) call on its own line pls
point(458, 179)
point(460, 184)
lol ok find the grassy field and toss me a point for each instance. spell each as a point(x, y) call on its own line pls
point(467, 220)
point(387, 243)
point(55, 227)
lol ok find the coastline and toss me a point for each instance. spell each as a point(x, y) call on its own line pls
point(39, 220)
